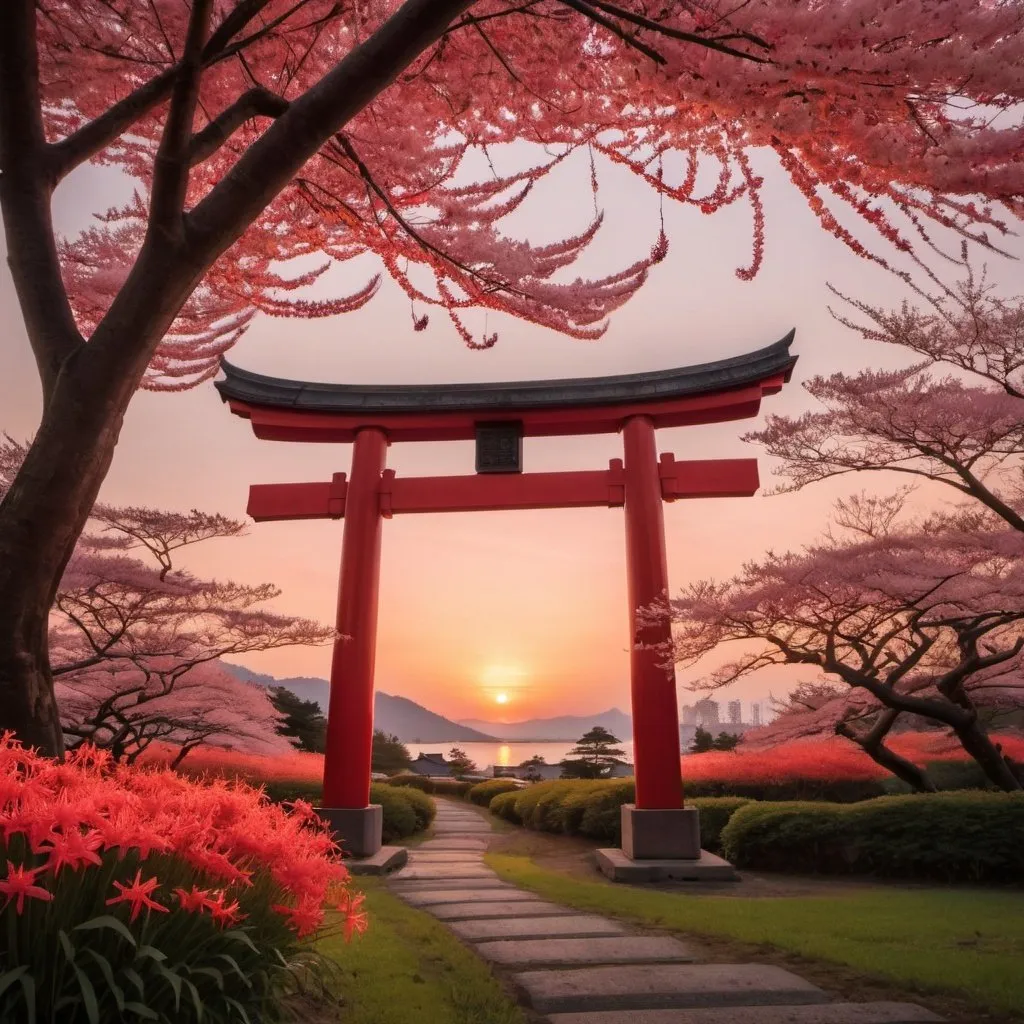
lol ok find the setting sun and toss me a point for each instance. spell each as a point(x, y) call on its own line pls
point(501, 698)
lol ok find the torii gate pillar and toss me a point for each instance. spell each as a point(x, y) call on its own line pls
point(350, 711)
point(657, 826)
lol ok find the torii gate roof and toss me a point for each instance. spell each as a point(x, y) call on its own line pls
point(289, 410)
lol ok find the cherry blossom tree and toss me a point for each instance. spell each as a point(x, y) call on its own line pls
point(135, 644)
point(965, 432)
point(926, 619)
point(123, 709)
point(264, 133)
point(812, 709)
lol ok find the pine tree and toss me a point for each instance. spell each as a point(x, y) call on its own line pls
point(304, 723)
point(725, 741)
point(703, 741)
point(390, 755)
point(594, 755)
point(459, 762)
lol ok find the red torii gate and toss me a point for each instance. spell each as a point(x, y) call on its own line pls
point(498, 416)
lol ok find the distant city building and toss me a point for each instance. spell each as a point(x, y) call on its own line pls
point(707, 712)
point(688, 714)
point(755, 714)
point(735, 712)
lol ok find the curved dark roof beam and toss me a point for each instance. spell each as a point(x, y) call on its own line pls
point(254, 389)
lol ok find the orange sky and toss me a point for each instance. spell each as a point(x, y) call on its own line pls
point(531, 604)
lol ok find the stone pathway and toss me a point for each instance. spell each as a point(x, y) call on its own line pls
point(583, 969)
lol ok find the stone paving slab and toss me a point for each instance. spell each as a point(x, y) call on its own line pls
point(445, 871)
point(446, 857)
point(578, 926)
point(453, 844)
point(401, 887)
point(468, 895)
point(568, 952)
point(665, 986)
point(828, 1013)
point(507, 908)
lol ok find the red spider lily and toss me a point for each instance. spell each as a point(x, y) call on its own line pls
point(223, 913)
point(194, 901)
point(350, 902)
point(355, 924)
point(72, 849)
point(137, 894)
point(19, 883)
point(306, 918)
point(87, 809)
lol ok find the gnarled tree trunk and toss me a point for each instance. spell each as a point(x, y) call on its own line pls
point(873, 744)
point(48, 504)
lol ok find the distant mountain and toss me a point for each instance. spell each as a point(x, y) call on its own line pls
point(566, 727)
point(409, 721)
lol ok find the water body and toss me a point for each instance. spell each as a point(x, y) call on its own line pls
point(486, 754)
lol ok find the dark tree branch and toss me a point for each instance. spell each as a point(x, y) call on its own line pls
point(709, 42)
point(240, 16)
point(599, 19)
point(25, 194)
point(272, 162)
point(349, 150)
point(99, 133)
point(255, 102)
point(171, 164)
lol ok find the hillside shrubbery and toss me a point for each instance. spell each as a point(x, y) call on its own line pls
point(439, 787)
point(483, 792)
point(592, 808)
point(956, 836)
point(962, 836)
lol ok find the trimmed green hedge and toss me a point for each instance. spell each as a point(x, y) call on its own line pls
point(441, 787)
point(483, 792)
point(592, 808)
point(960, 836)
point(406, 811)
point(422, 805)
point(504, 806)
point(840, 791)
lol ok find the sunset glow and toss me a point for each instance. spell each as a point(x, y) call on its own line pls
point(501, 698)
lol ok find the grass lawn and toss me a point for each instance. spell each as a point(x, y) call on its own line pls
point(968, 942)
point(409, 967)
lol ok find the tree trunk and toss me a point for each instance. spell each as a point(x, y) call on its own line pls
point(915, 777)
point(48, 504)
point(988, 755)
point(41, 519)
point(873, 744)
point(183, 752)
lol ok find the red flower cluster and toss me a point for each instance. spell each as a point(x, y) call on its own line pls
point(806, 759)
point(826, 759)
point(258, 768)
point(76, 813)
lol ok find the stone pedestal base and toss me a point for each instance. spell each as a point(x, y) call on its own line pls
point(706, 868)
point(660, 834)
point(658, 845)
point(383, 862)
point(357, 830)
